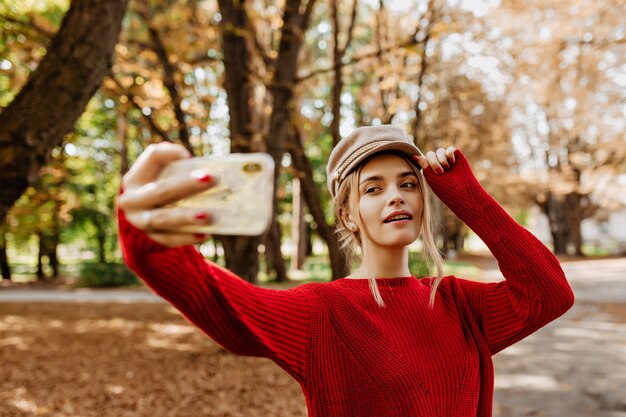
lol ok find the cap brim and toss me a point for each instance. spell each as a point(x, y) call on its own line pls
point(406, 148)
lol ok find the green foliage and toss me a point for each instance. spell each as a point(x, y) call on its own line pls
point(522, 217)
point(418, 266)
point(317, 268)
point(99, 275)
point(94, 175)
point(25, 27)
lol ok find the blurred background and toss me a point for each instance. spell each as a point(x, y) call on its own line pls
point(533, 92)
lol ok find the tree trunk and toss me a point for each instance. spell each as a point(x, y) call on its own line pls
point(53, 240)
point(274, 254)
point(241, 253)
point(335, 95)
point(40, 254)
point(565, 214)
point(51, 247)
point(282, 88)
point(338, 54)
point(338, 261)
point(4, 260)
point(56, 93)
point(579, 207)
point(336, 105)
point(101, 238)
point(420, 140)
point(298, 227)
point(122, 134)
point(53, 260)
point(554, 210)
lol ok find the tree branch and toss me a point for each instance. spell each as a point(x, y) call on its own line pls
point(169, 78)
point(149, 119)
point(259, 48)
point(350, 28)
point(31, 24)
point(358, 58)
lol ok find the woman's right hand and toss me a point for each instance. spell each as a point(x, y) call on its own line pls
point(143, 201)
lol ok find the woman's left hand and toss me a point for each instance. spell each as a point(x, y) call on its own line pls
point(441, 160)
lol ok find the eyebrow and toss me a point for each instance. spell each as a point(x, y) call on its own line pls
point(379, 177)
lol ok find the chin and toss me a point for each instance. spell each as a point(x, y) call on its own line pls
point(401, 241)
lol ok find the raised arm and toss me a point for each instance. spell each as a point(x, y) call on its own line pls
point(243, 318)
point(535, 291)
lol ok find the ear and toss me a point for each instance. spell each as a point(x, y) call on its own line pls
point(348, 222)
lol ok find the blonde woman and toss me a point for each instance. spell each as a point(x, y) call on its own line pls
point(379, 342)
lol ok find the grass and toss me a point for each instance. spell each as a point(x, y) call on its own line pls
point(315, 269)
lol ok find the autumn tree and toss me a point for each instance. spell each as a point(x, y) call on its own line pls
point(566, 94)
point(56, 93)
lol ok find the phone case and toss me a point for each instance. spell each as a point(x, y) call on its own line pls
point(241, 202)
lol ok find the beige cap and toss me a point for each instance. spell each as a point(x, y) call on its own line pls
point(360, 144)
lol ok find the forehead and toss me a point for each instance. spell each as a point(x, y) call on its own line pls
point(385, 164)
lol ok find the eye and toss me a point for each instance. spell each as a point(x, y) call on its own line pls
point(371, 189)
point(408, 184)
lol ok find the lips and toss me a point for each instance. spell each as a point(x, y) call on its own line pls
point(398, 215)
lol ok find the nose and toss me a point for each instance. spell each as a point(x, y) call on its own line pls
point(395, 197)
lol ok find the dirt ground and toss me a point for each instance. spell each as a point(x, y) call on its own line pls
point(106, 360)
point(144, 359)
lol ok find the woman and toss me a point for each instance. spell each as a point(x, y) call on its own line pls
point(379, 342)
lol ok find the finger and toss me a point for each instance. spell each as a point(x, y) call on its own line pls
point(173, 240)
point(450, 153)
point(421, 160)
point(434, 162)
point(169, 218)
point(442, 158)
point(151, 162)
point(170, 190)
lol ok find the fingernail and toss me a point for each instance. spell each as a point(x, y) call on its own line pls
point(200, 236)
point(202, 216)
point(204, 178)
point(439, 170)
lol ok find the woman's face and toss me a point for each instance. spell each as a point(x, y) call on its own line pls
point(390, 202)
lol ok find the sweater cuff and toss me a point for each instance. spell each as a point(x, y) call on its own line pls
point(135, 244)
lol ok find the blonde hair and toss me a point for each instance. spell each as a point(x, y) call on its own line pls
point(350, 242)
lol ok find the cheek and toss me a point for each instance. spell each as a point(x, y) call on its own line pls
point(367, 209)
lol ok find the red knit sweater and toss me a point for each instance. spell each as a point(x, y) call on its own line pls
point(353, 358)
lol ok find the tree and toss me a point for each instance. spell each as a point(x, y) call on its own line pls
point(5, 268)
point(56, 93)
point(295, 21)
point(241, 253)
point(568, 99)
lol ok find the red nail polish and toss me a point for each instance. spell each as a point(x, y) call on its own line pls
point(439, 170)
point(202, 216)
point(204, 178)
point(200, 236)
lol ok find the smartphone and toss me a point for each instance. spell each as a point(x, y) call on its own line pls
point(240, 203)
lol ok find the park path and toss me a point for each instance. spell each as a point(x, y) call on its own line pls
point(82, 295)
point(574, 367)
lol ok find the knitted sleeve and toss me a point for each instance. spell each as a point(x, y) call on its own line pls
point(535, 290)
point(243, 318)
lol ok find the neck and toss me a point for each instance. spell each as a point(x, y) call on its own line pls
point(384, 262)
